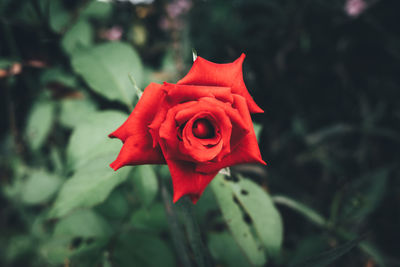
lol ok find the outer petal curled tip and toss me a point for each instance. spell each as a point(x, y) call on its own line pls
point(142, 114)
point(240, 59)
point(186, 181)
point(253, 107)
point(177, 196)
point(136, 152)
point(138, 142)
point(256, 109)
point(113, 135)
point(194, 198)
point(204, 72)
point(115, 165)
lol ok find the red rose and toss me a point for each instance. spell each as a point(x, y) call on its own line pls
point(197, 126)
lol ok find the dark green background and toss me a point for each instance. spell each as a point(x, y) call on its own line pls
point(329, 84)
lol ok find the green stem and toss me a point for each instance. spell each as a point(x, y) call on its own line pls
point(193, 232)
point(302, 209)
point(175, 228)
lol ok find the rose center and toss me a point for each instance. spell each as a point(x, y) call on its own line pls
point(203, 129)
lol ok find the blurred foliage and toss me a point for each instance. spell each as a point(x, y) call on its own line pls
point(328, 82)
point(71, 71)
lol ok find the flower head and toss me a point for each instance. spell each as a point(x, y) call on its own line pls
point(197, 126)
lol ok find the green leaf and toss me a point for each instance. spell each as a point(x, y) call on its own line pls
point(5, 63)
point(233, 216)
point(257, 130)
point(17, 246)
point(13, 190)
point(58, 16)
point(25, 14)
point(326, 258)
point(39, 124)
point(106, 67)
point(97, 10)
point(265, 217)
point(56, 250)
point(87, 253)
point(88, 187)
point(365, 195)
point(82, 223)
point(205, 204)
point(302, 209)
point(225, 250)
point(72, 110)
point(39, 187)
point(145, 184)
point(56, 159)
point(374, 252)
point(57, 74)
point(310, 245)
point(137, 249)
point(116, 205)
point(79, 36)
point(328, 132)
point(151, 218)
point(38, 229)
point(90, 140)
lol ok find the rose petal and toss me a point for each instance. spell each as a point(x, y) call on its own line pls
point(246, 151)
point(239, 127)
point(223, 121)
point(186, 181)
point(169, 128)
point(204, 72)
point(181, 113)
point(212, 141)
point(193, 146)
point(156, 123)
point(142, 115)
point(135, 152)
point(183, 93)
point(136, 129)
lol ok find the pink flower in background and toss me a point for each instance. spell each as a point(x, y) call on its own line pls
point(354, 8)
point(175, 10)
point(178, 7)
point(112, 34)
